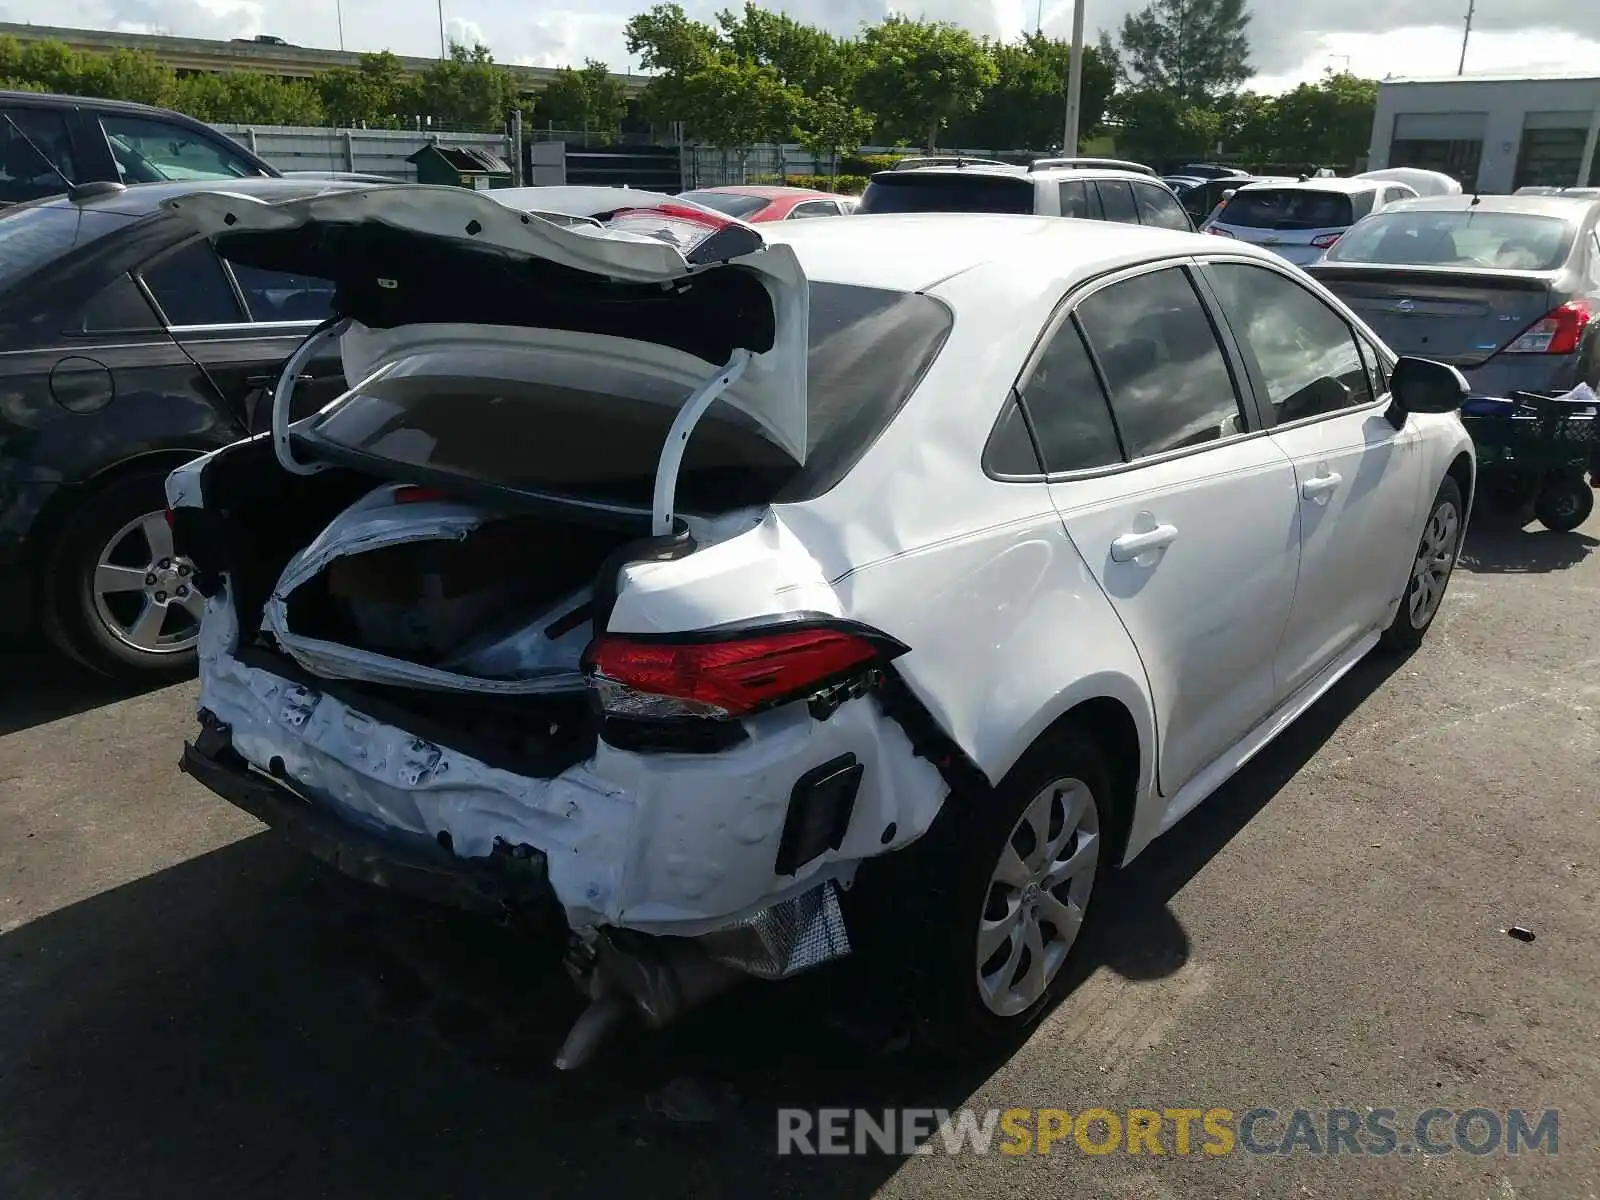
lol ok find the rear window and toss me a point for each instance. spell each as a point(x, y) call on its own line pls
point(918, 191)
point(1288, 208)
point(32, 238)
point(728, 203)
point(869, 347)
point(1471, 238)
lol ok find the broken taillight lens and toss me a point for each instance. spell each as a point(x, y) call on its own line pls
point(727, 676)
point(1326, 240)
point(1559, 331)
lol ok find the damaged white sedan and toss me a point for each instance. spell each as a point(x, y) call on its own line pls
point(738, 604)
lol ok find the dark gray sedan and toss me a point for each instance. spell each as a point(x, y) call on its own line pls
point(1507, 288)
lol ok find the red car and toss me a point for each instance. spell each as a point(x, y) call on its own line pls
point(759, 203)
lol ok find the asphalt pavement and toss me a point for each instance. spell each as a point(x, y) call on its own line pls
point(189, 1009)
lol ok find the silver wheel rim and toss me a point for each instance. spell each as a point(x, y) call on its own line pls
point(1037, 895)
point(1436, 558)
point(143, 593)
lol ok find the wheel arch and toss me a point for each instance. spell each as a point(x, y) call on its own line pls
point(1463, 470)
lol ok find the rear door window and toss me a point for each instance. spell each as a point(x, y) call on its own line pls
point(1075, 199)
point(120, 307)
point(1116, 201)
point(1067, 406)
point(948, 191)
point(192, 288)
point(1170, 385)
point(150, 151)
point(813, 208)
point(33, 238)
point(35, 152)
point(272, 296)
point(1160, 208)
point(1288, 208)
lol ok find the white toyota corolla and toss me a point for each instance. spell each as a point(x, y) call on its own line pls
point(736, 603)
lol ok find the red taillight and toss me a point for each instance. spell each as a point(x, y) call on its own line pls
point(1326, 240)
point(728, 677)
point(1215, 232)
point(1559, 331)
point(418, 494)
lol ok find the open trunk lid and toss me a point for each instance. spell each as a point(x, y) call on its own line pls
point(1461, 316)
point(697, 292)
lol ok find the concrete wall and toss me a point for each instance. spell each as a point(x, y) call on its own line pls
point(1504, 105)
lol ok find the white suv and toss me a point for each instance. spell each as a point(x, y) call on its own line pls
point(1095, 189)
point(1301, 220)
point(735, 603)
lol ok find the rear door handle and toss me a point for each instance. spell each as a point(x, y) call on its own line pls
point(1132, 545)
point(1320, 487)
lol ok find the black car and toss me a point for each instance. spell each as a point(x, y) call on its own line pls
point(128, 347)
point(48, 142)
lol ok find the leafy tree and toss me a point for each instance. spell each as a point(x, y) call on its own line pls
point(467, 89)
point(1328, 122)
point(1156, 124)
point(127, 75)
point(803, 56)
point(1196, 50)
point(740, 103)
point(675, 47)
point(249, 97)
point(919, 76)
point(831, 126)
point(378, 92)
point(586, 99)
point(1026, 106)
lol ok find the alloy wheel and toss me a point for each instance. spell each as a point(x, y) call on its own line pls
point(1038, 893)
point(143, 593)
point(1436, 557)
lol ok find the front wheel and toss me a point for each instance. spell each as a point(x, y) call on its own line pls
point(1564, 503)
point(1435, 561)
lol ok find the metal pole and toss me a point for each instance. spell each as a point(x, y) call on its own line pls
point(444, 51)
point(338, 9)
point(1069, 138)
point(1462, 65)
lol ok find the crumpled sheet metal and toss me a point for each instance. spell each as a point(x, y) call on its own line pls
point(793, 935)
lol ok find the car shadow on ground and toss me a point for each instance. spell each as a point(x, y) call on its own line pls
point(1512, 544)
point(39, 685)
point(246, 1024)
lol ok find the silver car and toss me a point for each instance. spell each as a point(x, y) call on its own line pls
point(1298, 220)
point(1506, 288)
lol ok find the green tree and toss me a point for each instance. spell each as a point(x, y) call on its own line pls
point(919, 76)
point(468, 89)
point(830, 126)
point(378, 92)
point(675, 47)
point(737, 104)
point(1026, 106)
point(803, 56)
point(1156, 124)
point(127, 75)
point(1196, 50)
point(591, 98)
point(250, 97)
point(1328, 123)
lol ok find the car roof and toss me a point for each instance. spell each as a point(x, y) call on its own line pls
point(145, 199)
point(1347, 186)
point(1572, 208)
point(771, 190)
point(1049, 174)
point(62, 100)
point(913, 252)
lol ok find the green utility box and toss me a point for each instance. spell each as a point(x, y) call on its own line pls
point(461, 166)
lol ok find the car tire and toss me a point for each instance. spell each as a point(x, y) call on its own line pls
point(942, 903)
point(1438, 549)
point(1564, 503)
point(112, 594)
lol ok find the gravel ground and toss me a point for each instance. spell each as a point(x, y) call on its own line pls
point(189, 1009)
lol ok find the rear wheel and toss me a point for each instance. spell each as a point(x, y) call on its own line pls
point(1431, 569)
point(1564, 503)
point(115, 595)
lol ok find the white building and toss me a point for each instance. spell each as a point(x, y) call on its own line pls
point(1495, 133)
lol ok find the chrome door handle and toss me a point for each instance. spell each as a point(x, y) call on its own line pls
point(1320, 487)
point(1132, 545)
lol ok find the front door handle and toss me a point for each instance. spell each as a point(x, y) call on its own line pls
point(1133, 545)
point(1319, 487)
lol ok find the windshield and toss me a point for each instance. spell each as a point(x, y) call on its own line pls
point(1288, 208)
point(918, 191)
point(731, 204)
point(32, 238)
point(1471, 238)
point(868, 349)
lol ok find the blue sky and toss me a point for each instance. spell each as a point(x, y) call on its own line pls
point(1293, 41)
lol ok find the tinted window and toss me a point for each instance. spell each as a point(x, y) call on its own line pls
point(1068, 408)
point(1288, 208)
point(868, 349)
point(1160, 208)
point(1116, 201)
point(813, 208)
point(191, 288)
point(1471, 238)
point(148, 151)
point(927, 191)
point(274, 296)
point(32, 154)
point(733, 204)
point(1010, 450)
point(1169, 382)
point(120, 306)
point(1306, 352)
point(1074, 199)
point(32, 238)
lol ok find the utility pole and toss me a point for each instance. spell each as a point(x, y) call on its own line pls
point(444, 51)
point(1069, 138)
point(1461, 67)
point(338, 10)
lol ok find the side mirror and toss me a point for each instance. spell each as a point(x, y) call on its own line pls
point(1420, 385)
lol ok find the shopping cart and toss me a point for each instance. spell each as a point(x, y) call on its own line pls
point(1539, 448)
